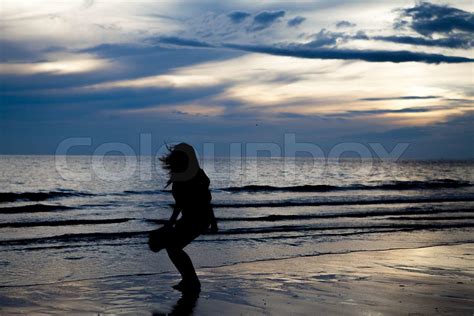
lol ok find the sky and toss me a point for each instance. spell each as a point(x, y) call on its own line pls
point(222, 72)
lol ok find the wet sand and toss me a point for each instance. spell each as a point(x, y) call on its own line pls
point(431, 280)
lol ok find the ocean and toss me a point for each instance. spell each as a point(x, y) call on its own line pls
point(65, 219)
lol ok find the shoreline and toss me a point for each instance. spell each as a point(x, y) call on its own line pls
point(257, 261)
point(426, 280)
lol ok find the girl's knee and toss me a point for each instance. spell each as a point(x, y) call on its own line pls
point(173, 251)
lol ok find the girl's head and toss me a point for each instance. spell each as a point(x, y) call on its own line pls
point(181, 163)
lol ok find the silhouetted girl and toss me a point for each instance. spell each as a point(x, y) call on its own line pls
point(190, 188)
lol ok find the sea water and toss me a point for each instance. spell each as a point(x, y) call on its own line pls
point(74, 218)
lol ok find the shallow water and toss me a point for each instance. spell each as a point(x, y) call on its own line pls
point(76, 223)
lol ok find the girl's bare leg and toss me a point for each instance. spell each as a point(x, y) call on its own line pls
point(184, 265)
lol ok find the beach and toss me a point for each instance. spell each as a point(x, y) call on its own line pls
point(420, 281)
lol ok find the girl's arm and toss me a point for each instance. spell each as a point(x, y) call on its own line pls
point(174, 216)
point(214, 228)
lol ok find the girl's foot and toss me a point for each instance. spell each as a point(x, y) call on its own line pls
point(178, 286)
point(188, 286)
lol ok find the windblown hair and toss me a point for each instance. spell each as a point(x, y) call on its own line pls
point(180, 162)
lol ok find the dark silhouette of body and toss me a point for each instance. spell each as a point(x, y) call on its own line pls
point(190, 188)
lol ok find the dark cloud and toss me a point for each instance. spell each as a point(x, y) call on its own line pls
point(384, 111)
point(17, 52)
point(173, 40)
point(429, 18)
point(92, 104)
point(265, 19)
point(360, 35)
point(452, 26)
point(297, 20)
point(238, 16)
point(304, 51)
point(460, 101)
point(343, 24)
point(326, 38)
point(317, 49)
point(454, 41)
point(408, 97)
point(120, 50)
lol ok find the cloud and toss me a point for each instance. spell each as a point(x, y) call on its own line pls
point(458, 100)
point(429, 18)
point(130, 61)
point(297, 20)
point(454, 30)
point(452, 27)
point(316, 49)
point(154, 71)
point(42, 105)
point(86, 4)
point(160, 81)
point(238, 16)
point(188, 109)
point(343, 24)
point(305, 51)
point(265, 19)
point(54, 67)
point(120, 50)
point(326, 38)
point(16, 52)
point(409, 97)
point(454, 41)
point(173, 40)
point(388, 111)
